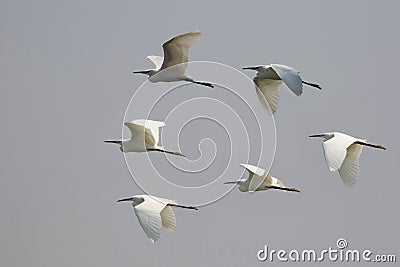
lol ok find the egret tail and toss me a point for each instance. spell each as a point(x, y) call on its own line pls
point(312, 84)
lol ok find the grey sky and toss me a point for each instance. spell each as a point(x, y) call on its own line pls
point(66, 79)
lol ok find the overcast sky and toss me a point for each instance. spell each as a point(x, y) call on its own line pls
point(66, 82)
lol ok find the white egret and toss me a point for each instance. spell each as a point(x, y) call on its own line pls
point(259, 180)
point(270, 77)
point(342, 153)
point(172, 67)
point(154, 213)
point(145, 135)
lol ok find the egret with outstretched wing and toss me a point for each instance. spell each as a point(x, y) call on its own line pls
point(342, 153)
point(145, 136)
point(154, 213)
point(270, 77)
point(172, 67)
point(259, 180)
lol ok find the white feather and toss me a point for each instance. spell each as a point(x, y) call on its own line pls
point(349, 169)
point(290, 76)
point(268, 93)
point(157, 60)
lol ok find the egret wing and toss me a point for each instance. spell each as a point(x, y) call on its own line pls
point(254, 169)
point(276, 182)
point(335, 149)
point(150, 222)
point(149, 216)
point(257, 176)
point(152, 132)
point(268, 93)
point(334, 155)
point(349, 169)
point(157, 60)
point(167, 213)
point(168, 218)
point(290, 77)
point(137, 131)
point(255, 182)
point(176, 51)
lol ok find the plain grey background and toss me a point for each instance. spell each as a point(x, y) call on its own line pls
point(66, 82)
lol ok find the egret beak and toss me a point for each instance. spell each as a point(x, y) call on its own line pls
point(250, 68)
point(233, 182)
point(126, 199)
point(316, 135)
point(118, 142)
point(142, 71)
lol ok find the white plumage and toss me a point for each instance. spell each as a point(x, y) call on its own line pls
point(342, 153)
point(258, 180)
point(153, 213)
point(270, 77)
point(172, 67)
point(145, 136)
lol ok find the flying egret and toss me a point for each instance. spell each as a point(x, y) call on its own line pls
point(144, 137)
point(259, 180)
point(172, 67)
point(154, 213)
point(342, 152)
point(270, 77)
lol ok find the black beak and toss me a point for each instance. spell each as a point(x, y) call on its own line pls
point(126, 199)
point(142, 71)
point(250, 68)
point(316, 135)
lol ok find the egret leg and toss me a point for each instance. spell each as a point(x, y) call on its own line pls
point(292, 189)
point(169, 152)
point(185, 207)
point(312, 84)
point(370, 145)
point(204, 83)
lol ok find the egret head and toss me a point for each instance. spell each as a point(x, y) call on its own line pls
point(135, 200)
point(326, 136)
point(121, 147)
point(125, 199)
